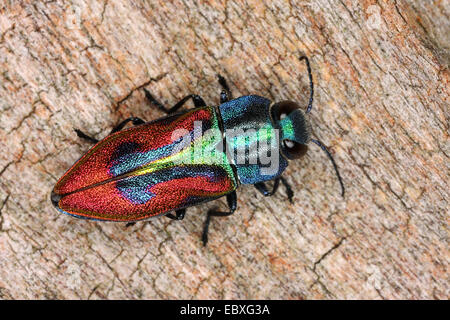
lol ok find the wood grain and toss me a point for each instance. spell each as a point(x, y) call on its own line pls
point(381, 105)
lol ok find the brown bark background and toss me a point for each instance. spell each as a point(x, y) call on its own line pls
point(381, 105)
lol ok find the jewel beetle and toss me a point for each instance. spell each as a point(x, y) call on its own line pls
point(146, 171)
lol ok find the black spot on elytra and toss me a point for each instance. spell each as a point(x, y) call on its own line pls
point(124, 149)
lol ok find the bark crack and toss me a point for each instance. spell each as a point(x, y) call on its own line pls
point(323, 256)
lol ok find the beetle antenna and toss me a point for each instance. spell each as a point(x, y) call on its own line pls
point(332, 161)
point(311, 85)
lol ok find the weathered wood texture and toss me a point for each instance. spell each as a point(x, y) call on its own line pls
point(381, 105)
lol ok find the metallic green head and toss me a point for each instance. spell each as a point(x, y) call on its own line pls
point(295, 128)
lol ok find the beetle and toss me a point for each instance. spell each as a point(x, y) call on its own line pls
point(136, 173)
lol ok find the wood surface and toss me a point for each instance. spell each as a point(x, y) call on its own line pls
point(381, 105)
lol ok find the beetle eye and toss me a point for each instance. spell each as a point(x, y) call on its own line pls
point(281, 109)
point(293, 150)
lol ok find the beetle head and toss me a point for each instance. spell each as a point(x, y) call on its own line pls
point(295, 130)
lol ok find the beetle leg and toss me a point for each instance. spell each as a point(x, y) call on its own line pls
point(129, 224)
point(136, 121)
point(225, 95)
point(152, 100)
point(119, 127)
point(288, 187)
point(179, 214)
point(198, 102)
point(84, 136)
point(261, 187)
point(232, 204)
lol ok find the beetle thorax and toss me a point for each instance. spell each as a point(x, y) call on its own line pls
point(252, 139)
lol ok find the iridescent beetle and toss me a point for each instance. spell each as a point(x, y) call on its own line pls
point(134, 174)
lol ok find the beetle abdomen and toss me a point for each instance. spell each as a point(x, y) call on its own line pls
point(145, 171)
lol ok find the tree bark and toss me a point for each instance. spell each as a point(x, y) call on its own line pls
point(380, 70)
